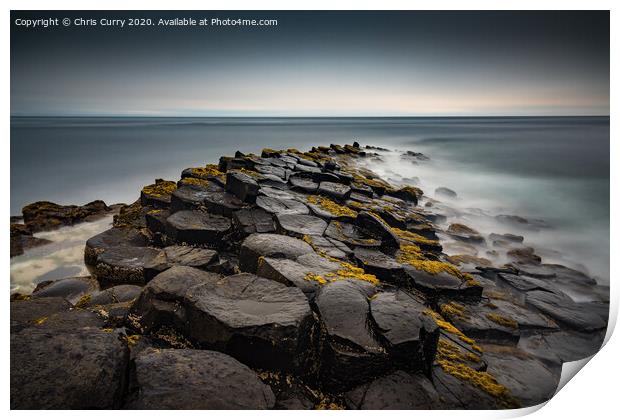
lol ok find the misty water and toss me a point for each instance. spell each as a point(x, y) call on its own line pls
point(551, 170)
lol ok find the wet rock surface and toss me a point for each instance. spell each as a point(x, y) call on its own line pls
point(297, 280)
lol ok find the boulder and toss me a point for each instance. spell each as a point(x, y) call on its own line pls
point(298, 225)
point(173, 379)
point(350, 234)
point(198, 228)
point(222, 203)
point(122, 265)
point(410, 334)
point(249, 221)
point(258, 321)
point(72, 289)
point(27, 313)
point(157, 195)
point(351, 353)
point(117, 294)
point(81, 369)
point(464, 233)
point(242, 185)
point(397, 391)
point(45, 215)
point(190, 197)
point(445, 192)
point(269, 245)
point(109, 239)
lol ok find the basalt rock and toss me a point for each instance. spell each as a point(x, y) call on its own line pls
point(298, 225)
point(44, 215)
point(242, 185)
point(198, 228)
point(177, 255)
point(269, 245)
point(173, 379)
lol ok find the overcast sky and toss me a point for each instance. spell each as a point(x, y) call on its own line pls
point(317, 64)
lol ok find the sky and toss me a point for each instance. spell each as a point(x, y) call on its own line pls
point(326, 64)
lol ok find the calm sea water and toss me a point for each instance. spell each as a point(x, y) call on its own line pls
point(556, 169)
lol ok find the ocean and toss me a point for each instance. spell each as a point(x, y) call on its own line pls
point(553, 170)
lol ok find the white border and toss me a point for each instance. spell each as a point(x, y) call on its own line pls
point(592, 395)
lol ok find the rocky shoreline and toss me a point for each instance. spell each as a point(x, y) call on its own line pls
point(296, 280)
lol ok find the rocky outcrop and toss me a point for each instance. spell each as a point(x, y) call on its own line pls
point(299, 280)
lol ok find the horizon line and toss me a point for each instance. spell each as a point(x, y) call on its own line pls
point(309, 116)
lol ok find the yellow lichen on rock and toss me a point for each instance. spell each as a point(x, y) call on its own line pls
point(350, 271)
point(83, 301)
point(196, 181)
point(413, 237)
point(160, 189)
point(315, 277)
point(453, 309)
point(502, 320)
point(331, 207)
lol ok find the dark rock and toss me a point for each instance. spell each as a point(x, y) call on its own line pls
point(397, 391)
point(157, 195)
point(350, 235)
point(269, 245)
point(22, 239)
point(242, 185)
point(156, 224)
point(172, 379)
point(180, 255)
point(122, 265)
point(383, 266)
point(289, 273)
point(409, 333)
point(442, 283)
point(557, 347)
point(330, 247)
point(307, 170)
point(118, 294)
point(445, 192)
point(410, 194)
point(335, 190)
point(198, 228)
point(304, 184)
point(506, 237)
point(82, 369)
point(524, 255)
point(271, 170)
point(362, 190)
point(465, 233)
point(298, 225)
point(190, 197)
point(44, 215)
point(109, 239)
point(578, 316)
point(278, 192)
point(256, 220)
point(27, 313)
point(281, 205)
point(71, 289)
point(351, 354)
point(258, 321)
point(378, 229)
point(222, 203)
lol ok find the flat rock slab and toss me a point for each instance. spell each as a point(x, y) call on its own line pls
point(330, 247)
point(558, 347)
point(378, 229)
point(527, 378)
point(440, 284)
point(198, 228)
point(180, 255)
point(350, 235)
point(83, 369)
point(72, 289)
point(258, 321)
point(578, 316)
point(161, 303)
point(410, 333)
point(256, 220)
point(381, 265)
point(173, 379)
point(351, 353)
point(26, 313)
point(190, 197)
point(222, 203)
point(303, 184)
point(274, 205)
point(270, 245)
point(289, 273)
point(117, 294)
point(122, 265)
point(335, 190)
point(299, 225)
point(397, 391)
point(109, 239)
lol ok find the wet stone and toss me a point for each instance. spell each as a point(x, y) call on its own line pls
point(269, 245)
point(381, 265)
point(465, 233)
point(189, 197)
point(397, 391)
point(222, 203)
point(281, 205)
point(156, 222)
point(411, 335)
point(26, 313)
point(45, 374)
point(271, 170)
point(335, 190)
point(330, 247)
point(445, 192)
point(173, 379)
point(71, 289)
point(181, 255)
point(304, 184)
point(117, 294)
point(278, 193)
point(157, 195)
point(256, 220)
point(442, 283)
point(122, 265)
point(351, 354)
point(198, 228)
point(378, 229)
point(241, 185)
point(350, 235)
point(109, 239)
point(578, 316)
point(299, 225)
point(258, 321)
